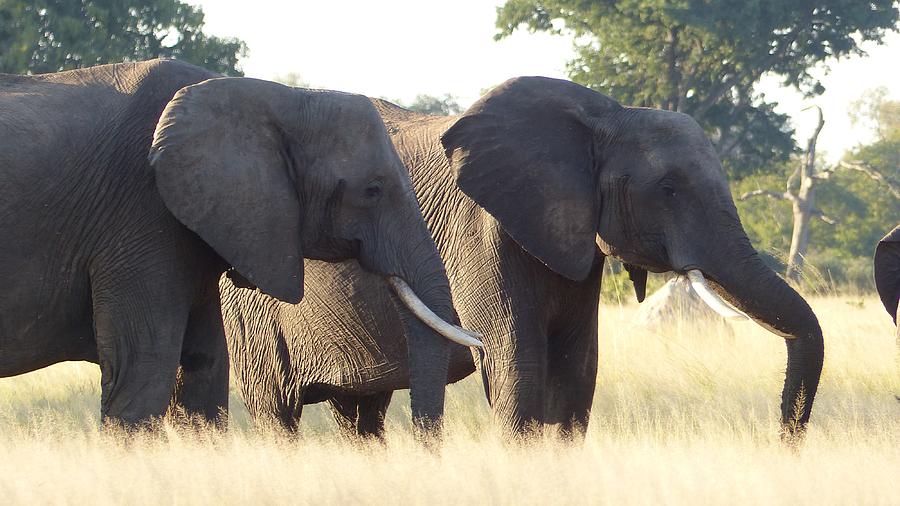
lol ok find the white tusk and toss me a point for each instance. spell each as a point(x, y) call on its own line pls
point(414, 303)
point(471, 333)
point(698, 283)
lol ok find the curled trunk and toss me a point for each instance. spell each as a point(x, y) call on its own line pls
point(752, 287)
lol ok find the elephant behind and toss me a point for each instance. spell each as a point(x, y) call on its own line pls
point(525, 194)
point(111, 257)
point(344, 343)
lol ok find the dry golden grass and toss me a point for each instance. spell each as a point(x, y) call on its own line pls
point(686, 418)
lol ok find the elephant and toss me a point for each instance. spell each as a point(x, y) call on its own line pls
point(526, 193)
point(344, 343)
point(128, 189)
point(887, 277)
point(887, 271)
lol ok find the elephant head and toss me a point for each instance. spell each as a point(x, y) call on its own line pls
point(643, 184)
point(887, 271)
point(268, 175)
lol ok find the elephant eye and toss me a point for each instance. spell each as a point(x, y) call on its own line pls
point(373, 190)
point(668, 191)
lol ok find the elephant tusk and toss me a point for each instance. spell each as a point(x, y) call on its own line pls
point(414, 303)
point(698, 283)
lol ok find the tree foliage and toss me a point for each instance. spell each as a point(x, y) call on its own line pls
point(704, 57)
point(38, 36)
point(441, 106)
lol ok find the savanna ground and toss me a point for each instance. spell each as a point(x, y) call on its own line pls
point(687, 418)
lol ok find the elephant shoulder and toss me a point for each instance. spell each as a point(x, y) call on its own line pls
point(887, 271)
point(156, 81)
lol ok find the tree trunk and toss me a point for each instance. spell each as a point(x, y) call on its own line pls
point(673, 98)
point(803, 204)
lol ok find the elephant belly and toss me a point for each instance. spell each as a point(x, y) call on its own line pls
point(43, 320)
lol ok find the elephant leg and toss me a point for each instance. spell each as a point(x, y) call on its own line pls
point(361, 416)
point(515, 368)
point(572, 377)
point(201, 387)
point(139, 323)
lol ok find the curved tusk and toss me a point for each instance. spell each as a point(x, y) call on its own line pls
point(698, 283)
point(414, 303)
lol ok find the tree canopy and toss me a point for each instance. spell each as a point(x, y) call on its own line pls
point(441, 106)
point(38, 36)
point(704, 57)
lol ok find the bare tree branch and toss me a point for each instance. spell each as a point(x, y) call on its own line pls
point(824, 174)
point(824, 217)
point(873, 173)
point(791, 179)
point(767, 193)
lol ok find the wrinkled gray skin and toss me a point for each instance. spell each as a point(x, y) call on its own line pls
point(111, 258)
point(524, 194)
point(887, 276)
point(887, 271)
point(344, 343)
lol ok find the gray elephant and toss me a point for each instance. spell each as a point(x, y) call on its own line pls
point(345, 343)
point(524, 194)
point(887, 276)
point(111, 257)
point(887, 271)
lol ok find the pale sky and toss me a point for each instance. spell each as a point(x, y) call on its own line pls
point(400, 48)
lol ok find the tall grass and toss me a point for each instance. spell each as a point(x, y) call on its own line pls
point(681, 417)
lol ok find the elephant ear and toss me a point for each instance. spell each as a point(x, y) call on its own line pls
point(526, 152)
point(887, 271)
point(223, 167)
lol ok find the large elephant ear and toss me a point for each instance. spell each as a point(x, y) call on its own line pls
point(526, 153)
point(887, 271)
point(223, 167)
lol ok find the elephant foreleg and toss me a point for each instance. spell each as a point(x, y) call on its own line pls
point(139, 324)
point(201, 388)
point(571, 377)
point(515, 368)
point(361, 416)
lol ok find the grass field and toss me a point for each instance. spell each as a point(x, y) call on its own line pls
point(688, 418)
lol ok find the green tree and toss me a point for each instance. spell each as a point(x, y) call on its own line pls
point(38, 36)
point(441, 106)
point(704, 57)
point(872, 175)
point(861, 193)
point(292, 79)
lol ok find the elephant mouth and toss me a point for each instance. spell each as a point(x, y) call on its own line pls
point(710, 298)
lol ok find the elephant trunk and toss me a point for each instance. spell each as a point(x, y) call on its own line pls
point(428, 351)
point(755, 289)
point(413, 268)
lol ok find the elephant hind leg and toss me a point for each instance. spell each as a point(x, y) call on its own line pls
point(361, 416)
point(201, 388)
